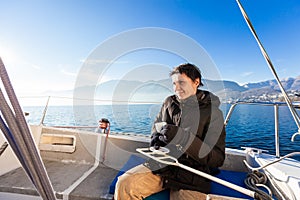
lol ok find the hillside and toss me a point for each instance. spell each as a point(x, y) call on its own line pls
point(156, 91)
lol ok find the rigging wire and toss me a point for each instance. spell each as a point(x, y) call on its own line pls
point(253, 179)
point(270, 64)
point(271, 163)
point(21, 140)
point(3, 147)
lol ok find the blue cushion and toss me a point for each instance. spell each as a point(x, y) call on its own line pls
point(236, 178)
point(163, 195)
point(216, 188)
point(132, 162)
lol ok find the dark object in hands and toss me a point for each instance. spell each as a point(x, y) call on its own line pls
point(168, 132)
point(157, 141)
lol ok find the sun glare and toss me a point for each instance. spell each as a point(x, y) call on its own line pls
point(7, 55)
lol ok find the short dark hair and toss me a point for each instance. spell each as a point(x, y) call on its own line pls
point(191, 70)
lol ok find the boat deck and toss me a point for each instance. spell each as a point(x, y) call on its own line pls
point(78, 175)
point(94, 186)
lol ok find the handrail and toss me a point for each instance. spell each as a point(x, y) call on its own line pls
point(227, 118)
point(95, 99)
point(276, 118)
point(75, 126)
point(229, 114)
point(45, 111)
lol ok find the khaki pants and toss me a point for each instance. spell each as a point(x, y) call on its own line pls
point(139, 183)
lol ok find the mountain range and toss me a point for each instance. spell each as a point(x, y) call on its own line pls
point(156, 91)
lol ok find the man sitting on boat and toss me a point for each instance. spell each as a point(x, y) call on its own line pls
point(189, 124)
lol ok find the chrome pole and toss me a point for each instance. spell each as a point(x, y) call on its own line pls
point(229, 113)
point(45, 111)
point(276, 114)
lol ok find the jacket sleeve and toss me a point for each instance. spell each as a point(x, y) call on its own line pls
point(210, 150)
point(161, 117)
point(157, 119)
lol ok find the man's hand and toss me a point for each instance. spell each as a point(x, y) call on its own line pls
point(168, 132)
point(157, 141)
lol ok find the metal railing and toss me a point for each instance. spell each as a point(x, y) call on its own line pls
point(276, 119)
point(227, 118)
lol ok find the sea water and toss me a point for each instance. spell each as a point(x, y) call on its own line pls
point(249, 125)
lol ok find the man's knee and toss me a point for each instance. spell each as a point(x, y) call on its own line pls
point(122, 181)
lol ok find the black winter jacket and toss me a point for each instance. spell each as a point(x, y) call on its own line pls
point(199, 142)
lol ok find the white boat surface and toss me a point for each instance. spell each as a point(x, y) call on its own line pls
point(81, 165)
point(78, 169)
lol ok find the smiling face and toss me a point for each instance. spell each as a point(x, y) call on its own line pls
point(184, 86)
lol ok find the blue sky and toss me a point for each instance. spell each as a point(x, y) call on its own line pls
point(44, 43)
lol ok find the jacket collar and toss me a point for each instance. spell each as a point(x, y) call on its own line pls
point(202, 97)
